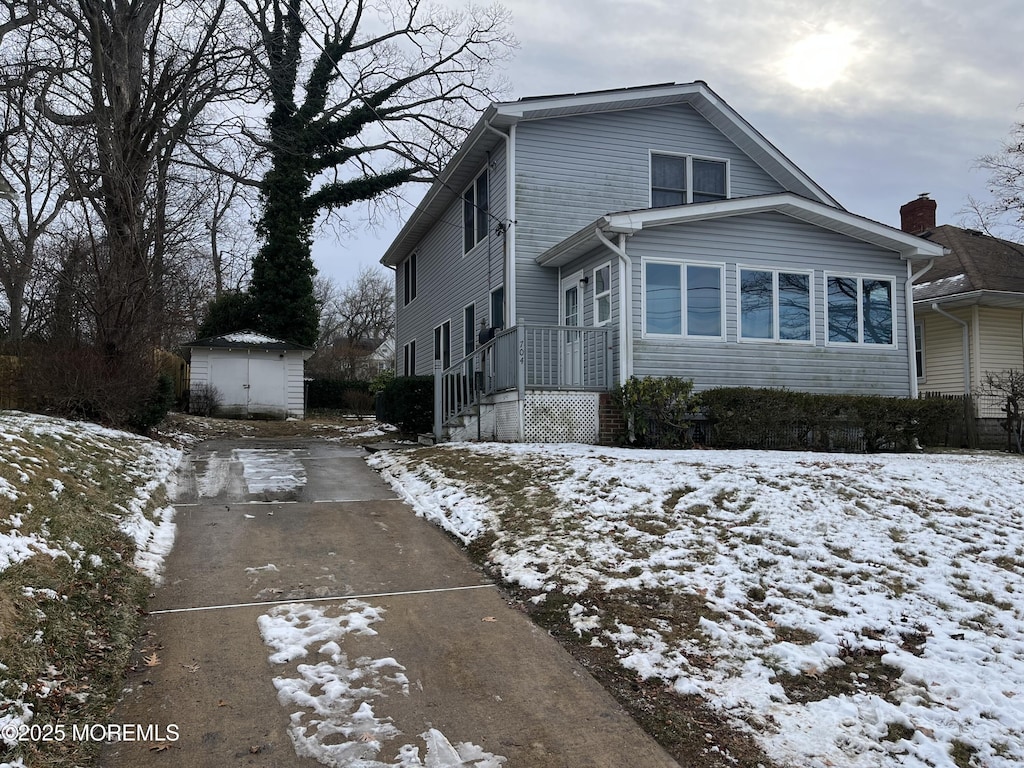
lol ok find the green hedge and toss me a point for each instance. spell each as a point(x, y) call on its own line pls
point(338, 394)
point(658, 411)
point(408, 403)
point(742, 417)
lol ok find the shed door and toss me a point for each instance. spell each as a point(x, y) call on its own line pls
point(266, 383)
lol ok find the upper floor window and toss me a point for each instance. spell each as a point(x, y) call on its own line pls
point(409, 279)
point(860, 310)
point(680, 179)
point(683, 299)
point(775, 306)
point(475, 212)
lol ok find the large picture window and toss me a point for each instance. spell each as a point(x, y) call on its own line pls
point(681, 179)
point(860, 310)
point(683, 299)
point(475, 212)
point(775, 306)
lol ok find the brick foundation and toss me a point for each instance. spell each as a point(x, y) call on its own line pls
point(611, 425)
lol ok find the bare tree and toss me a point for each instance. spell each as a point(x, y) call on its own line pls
point(142, 73)
point(354, 322)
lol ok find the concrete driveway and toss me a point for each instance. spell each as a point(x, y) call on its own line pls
point(306, 610)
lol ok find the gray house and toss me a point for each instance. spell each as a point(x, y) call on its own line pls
point(577, 240)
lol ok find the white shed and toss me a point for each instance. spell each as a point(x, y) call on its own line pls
point(255, 376)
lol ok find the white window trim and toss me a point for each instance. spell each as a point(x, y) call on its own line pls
point(476, 212)
point(689, 173)
point(776, 339)
point(860, 343)
point(721, 266)
point(598, 323)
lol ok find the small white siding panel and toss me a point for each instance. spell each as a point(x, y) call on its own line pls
point(772, 241)
point(1002, 345)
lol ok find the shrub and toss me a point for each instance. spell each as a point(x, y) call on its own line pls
point(744, 417)
point(204, 399)
point(156, 407)
point(336, 394)
point(408, 402)
point(658, 411)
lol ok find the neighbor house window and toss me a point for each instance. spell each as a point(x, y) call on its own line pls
point(860, 310)
point(443, 344)
point(680, 179)
point(602, 294)
point(775, 306)
point(409, 359)
point(683, 299)
point(409, 279)
point(475, 207)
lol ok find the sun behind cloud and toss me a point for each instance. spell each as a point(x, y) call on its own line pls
point(818, 60)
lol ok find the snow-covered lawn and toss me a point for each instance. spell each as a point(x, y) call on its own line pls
point(69, 598)
point(847, 610)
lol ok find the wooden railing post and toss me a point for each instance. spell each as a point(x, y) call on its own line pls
point(521, 360)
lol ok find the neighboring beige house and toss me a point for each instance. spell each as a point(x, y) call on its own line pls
point(968, 308)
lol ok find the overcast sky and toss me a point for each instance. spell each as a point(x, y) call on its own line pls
point(876, 100)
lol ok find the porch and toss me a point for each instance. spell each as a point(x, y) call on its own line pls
point(533, 383)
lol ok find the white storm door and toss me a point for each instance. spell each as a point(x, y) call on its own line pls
point(572, 341)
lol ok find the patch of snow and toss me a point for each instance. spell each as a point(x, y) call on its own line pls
point(916, 560)
point(338, 724)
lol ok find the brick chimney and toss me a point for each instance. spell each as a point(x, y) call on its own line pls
point(918, 216)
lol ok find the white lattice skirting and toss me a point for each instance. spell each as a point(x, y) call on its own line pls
point(560, 417)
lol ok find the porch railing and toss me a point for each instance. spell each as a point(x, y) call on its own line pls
point(535, 357)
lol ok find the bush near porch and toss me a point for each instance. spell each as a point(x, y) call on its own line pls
point(664, 413)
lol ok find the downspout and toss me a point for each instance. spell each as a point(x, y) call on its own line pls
point(509, 240)
point(908, 297)
point(966, 343)
point(625, 303)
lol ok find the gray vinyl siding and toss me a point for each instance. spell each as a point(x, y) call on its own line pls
point(571, 170)
point(772, 241)
point(447, 281)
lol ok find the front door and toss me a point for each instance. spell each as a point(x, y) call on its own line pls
point(572, 340)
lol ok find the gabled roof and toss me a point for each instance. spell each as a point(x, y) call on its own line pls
point(501, 116)
point(978, 266)
point(630, 222)
point(246, 340)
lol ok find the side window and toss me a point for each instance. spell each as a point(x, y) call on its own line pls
point(498, 307)
point(443, 344)
point(409, 359)
point(681, 179)
point(775, 306)
point(860, 310)
point(475, 212)
point(683, 299)
point(409, 279)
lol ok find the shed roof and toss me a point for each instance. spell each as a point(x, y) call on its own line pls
point(246, 340)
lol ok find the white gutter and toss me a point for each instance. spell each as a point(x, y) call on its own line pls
point(625, 303)
point(509, 249)
point(966, 344)
point(908, 299)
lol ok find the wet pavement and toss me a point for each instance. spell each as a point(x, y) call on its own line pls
point(299, 539)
